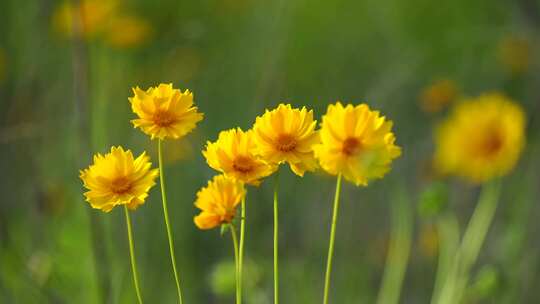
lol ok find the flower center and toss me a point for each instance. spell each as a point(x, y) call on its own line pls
point(491, 144)
point(163, 118)
point(286, 143)
point(243, 164)
point(351, 146)
point(120, 185)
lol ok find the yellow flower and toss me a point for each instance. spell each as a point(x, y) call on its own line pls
point(287, 135)
point(356, 142)
point(86, 19)
point(481, 139)
point(127, 31)
point(235, 155)
point(116, 178)
point(218, 201)
point(164, 112)
point(438, 95)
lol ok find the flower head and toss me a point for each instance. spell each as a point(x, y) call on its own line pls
point(218, 201)
point(481, 139)
point(356, 142)
point(438, 95)
point(86, 19)
point(164, 112)
point(287, 135)
point(235, 155)
point(116, 178)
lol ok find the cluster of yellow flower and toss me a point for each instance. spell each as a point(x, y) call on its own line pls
point(353, 141)
point(482, 139)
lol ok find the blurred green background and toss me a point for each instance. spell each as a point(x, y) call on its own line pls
point(67, 69)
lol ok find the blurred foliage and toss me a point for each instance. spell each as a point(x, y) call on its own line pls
point(63, 96)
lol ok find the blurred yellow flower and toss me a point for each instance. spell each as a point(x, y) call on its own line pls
point(116, 178)
point(218, 201)
point(127, 31)
point(514, 54)
point(287, 135)
point(356, 142)
point(86, 19)
point(438, 95)
point(164, 112)
point(482, 138)
point(235, 154)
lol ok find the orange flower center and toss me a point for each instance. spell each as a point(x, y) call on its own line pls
point(351, 146)
point(286, 143)
point(490, 145)
point(120, 185)
point(243, 164)
point(163, 118)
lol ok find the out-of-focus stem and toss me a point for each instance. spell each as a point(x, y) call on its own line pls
point(448, 235)
point(398, 253)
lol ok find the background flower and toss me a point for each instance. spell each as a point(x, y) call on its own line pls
point(481, 139)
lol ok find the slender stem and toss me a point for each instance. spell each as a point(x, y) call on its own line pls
point(236, 262)
point(448, 232)
point(132, 256)
point(398, 253)
point(476, 232)
point(241, 253)
point(467, 253)
point(167, 224)
point(332, 239)
point(276, 237)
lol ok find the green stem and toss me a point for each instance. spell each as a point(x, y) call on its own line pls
point(467, 253)
point(448, 233)
point(132, 256)
point(236, 262)
point(398, 253)
point(167, 224)
point(476, 233)
point(241, 253)
point(276, 237)
point(332, 239)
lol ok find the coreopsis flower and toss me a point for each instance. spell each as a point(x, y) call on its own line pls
point(287, 135)
point(86, 19)
point(117, 178)
point(356, 142)
point(438, 95)
point(218, 201)
point(164, 112)
point(481, 139)
point(235, 154)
